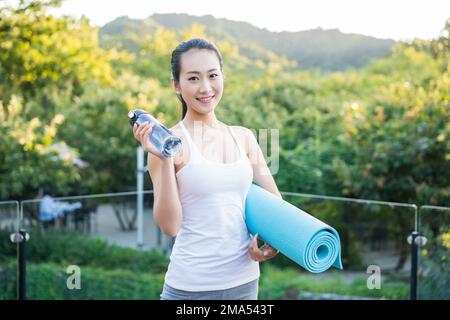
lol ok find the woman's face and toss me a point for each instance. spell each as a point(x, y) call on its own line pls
point(201, 80)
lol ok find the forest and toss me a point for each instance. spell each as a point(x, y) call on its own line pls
point(377, 132)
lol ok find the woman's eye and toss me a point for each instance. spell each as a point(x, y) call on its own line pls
point(214, 75)
point(192, 78)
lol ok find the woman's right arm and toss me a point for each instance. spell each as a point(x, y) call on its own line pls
point(166, 204)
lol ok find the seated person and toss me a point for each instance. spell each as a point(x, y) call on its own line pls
point(50, 209)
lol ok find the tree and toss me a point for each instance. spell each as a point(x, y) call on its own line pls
point(29, 157)
point(41, 55)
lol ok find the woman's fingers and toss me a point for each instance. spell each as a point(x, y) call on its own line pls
point(135, 127)
point(268, 251)
point(260, 254)
point(142, 131)
point(255, 253)
point(137, 130)
point(147, 130)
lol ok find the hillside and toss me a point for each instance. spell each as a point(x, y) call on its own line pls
point(328, 50)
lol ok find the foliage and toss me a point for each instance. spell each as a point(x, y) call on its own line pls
point(289, 284)
point(44, 63)
point(48, 281)
point(71, 248)
point(99, 126)
point(377, 133)
point(380, 132)
point(39, 51)
point(317, 48)
point(29, 156)
point(435, 262)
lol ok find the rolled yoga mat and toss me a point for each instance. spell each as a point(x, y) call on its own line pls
point(301, 237)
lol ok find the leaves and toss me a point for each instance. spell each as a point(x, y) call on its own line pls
point(380, 132)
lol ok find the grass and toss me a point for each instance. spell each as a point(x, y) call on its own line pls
point(289, 283)
point(113, 272)
point(50, 281)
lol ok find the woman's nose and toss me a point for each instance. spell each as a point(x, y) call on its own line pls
point(205, 86)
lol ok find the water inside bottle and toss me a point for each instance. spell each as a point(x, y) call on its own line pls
point(161, 137)
point(164, 141)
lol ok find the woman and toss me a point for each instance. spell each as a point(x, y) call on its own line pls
point(199, 195)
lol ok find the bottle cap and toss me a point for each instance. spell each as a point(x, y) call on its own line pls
point(134, 114)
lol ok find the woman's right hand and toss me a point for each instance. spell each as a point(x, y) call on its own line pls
point(141, 134)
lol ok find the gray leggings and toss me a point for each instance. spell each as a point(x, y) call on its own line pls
point(247, 291)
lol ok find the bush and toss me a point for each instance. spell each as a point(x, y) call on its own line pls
point(288, 283)
point(8, 280)
point(435, 260)
point(49, 281)
point(71, 248)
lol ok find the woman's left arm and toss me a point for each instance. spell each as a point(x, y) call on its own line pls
point(262, 177)
point(261, 173)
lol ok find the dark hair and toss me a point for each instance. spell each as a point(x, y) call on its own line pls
point(185, 46)
point(46, 190)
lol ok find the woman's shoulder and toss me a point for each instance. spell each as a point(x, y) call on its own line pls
point(243, 132)
point(245, 137)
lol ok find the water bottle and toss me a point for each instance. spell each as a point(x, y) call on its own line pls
point(162, 138)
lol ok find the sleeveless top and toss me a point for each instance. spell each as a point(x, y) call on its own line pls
point(210, 249)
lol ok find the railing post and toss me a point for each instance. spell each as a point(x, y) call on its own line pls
point(21, 238)
point(22, 266)
point(140, 196)
point(414, 262)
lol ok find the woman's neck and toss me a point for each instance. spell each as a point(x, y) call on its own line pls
point(207, 120)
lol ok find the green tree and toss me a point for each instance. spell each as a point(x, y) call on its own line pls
point(29, 159)
point(41, 55)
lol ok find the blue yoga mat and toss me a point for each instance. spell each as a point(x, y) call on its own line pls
point(301, 237)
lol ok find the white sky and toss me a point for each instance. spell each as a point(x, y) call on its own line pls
point(394, 19)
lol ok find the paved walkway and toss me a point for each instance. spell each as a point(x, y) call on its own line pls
point(106, 225)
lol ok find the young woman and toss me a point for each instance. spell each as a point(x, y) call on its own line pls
point(199, 195)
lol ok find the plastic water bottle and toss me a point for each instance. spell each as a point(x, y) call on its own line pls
point(162, 138)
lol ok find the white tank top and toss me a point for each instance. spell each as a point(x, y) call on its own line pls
point(210, 249)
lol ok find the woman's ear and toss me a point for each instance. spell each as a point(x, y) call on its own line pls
point(176, 87)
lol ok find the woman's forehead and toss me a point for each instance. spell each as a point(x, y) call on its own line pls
point(199, 60)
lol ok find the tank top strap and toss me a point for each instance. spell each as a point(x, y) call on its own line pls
point(192, 148)
point(195, 153)
point(241, 150)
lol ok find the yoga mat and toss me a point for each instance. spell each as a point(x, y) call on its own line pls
point(301, 237)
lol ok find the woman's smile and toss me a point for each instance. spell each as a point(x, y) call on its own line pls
point(206, 100)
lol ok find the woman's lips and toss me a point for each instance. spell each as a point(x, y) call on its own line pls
point(206, 100)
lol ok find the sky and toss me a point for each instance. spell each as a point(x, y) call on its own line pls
point(393, 19)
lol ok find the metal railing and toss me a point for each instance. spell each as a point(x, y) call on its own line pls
point(415, 239)
point(13, 203)
point(19, 237)
point(126, 223)
point(433, 258)
point(414, 232)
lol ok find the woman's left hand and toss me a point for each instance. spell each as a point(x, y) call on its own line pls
point(265, 252)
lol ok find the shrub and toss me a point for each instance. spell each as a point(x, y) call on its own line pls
point(435, 260)
point(71, 248)
point(288, 283)
point(49, 281)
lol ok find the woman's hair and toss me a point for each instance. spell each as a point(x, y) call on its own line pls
point(185, 46)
